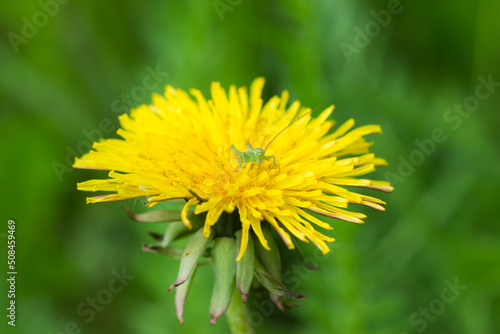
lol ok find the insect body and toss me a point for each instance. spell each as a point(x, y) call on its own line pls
point(257, 154)
point(251, 155)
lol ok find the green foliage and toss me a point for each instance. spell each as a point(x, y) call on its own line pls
point(67, 84)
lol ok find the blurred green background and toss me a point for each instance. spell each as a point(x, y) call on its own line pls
point(65, 72)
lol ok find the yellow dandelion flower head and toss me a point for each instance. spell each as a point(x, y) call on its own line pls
point(180, 146)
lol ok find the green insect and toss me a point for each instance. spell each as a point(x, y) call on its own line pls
point(251, 155)
point(258, 155)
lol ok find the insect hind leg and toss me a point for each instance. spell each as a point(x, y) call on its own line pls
point(274, 159)
point(236, 152)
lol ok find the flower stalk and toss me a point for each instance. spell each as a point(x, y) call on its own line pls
point(237, 316)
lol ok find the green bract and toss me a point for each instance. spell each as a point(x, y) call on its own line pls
point(258, 268)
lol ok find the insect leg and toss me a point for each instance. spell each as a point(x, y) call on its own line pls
point(235, 151)
point(274, 159)
point(244, 160)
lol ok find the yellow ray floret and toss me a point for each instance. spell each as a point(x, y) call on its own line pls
point(180, 147)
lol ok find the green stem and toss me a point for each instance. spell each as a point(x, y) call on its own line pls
point(237, 315)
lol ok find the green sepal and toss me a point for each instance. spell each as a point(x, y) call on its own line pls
point(223, 256)
point(155, 235)
point(181, 293)
point(272, 284)
point(303, 258)
point(270, 259)
point(194, 250)
point(244, 268)
point(174, 231)
point(174, 252)
point(157, 216)
point(271, 262)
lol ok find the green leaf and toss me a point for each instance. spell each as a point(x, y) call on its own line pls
point(223, 256)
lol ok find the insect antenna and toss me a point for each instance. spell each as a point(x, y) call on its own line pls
point(289, 125)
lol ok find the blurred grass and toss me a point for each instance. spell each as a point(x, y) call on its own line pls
point(441, 222)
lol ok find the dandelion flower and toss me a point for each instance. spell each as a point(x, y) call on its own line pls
point(179, 147)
